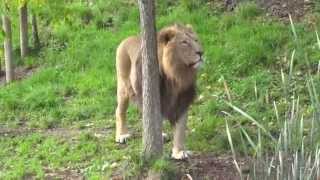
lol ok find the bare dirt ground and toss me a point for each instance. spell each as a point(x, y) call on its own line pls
point(205, 167)
point(64, 133)
point(20, 73)
point(282, 8)
point(66, 174)
point(213, 167)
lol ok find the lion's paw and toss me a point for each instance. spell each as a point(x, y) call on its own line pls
point(180, 155)
point(123, 138)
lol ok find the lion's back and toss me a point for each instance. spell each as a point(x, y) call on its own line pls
point(129, 47)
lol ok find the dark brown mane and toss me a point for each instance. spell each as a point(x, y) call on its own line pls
point(174, 102)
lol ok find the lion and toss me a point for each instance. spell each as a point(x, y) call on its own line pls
point(179, 59)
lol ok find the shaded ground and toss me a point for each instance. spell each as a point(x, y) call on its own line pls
point(278, 8)
point(20, 73)
point(282, 8)
point(205, 167)
point(59, 174)
point(213, 167)
point(65, 133)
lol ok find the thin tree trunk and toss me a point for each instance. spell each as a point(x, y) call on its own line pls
point(230, 4)
point(24, 30)
point(152, 122)
point(8, 48)
point(35, 34)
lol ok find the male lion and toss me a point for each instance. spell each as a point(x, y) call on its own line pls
point(179, 56)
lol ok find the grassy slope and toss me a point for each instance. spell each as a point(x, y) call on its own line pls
point(75, 88)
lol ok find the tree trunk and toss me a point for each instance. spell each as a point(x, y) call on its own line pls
point(8, 48)
point(152, 121)
point(230, 4)
point(35, 34)
point(24, 30)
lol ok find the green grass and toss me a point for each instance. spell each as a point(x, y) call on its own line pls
point(74, 87)
point(21, 156)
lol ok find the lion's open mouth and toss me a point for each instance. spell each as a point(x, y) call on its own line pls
point(196, 64)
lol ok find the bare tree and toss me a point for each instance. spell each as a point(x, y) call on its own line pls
point(24, 30)
point(8, 48)
point(152, 121)
point(230, 4)
point(35, 34)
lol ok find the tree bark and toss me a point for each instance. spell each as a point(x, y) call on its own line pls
point(152, 121)
point(230, 4)
point(35, 34)
point(24, 30)
point(8, 48)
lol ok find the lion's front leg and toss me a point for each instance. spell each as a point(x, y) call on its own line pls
point(178, 150)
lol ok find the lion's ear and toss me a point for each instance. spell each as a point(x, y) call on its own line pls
point(166, 35)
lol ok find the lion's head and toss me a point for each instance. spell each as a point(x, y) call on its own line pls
point(181, 53)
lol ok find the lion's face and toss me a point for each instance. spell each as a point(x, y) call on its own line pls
point(181, 49)
point(188, 49)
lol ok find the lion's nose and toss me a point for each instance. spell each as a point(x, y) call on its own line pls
point(200, 53)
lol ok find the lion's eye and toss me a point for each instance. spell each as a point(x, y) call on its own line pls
point(184, 42)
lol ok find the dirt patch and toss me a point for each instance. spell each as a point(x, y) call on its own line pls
point(215, 167)
point(276, 8)
point(20, 73)
point(202, 166)
point(282, 8)
point(50, 174)
point(63, 174)
point(63, 133)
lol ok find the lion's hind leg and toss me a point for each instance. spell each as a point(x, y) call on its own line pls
point(123, 65)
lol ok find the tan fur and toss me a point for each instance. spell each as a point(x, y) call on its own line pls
point(179, 54)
